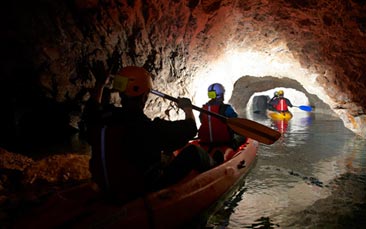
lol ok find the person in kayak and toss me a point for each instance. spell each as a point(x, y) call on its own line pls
point(271, 101)
point(127, 145)
point(213, 132)
point(281, 104)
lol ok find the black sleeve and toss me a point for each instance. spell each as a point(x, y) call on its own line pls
point(174, 134)
point(289, 103)
point(274, 102)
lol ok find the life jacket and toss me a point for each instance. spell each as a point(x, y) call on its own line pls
point(281, 105)
point(212, 129)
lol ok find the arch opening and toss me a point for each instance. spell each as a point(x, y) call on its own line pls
point(247, 86)
point(296, 97)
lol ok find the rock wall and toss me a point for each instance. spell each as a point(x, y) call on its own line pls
point(49, 46)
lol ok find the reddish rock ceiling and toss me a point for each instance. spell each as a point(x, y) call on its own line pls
point(49, 46)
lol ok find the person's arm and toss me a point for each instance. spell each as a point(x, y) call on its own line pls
point(289, 103)
point(230, 112)
point(186, 105)
point(175, 134)
point(275, 102)
point(97, 94)
point(189, 113)
point(102, 79)
point(93, 111)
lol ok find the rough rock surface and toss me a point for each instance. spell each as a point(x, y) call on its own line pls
point(24, 182)
point(50, 45)
point(317, 47)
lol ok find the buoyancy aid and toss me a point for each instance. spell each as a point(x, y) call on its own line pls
point(212, 129)
point(281, 105)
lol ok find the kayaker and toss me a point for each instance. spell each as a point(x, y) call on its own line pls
point(281, 104)
point(127, 145)
point(270, 102)
point(213, 132)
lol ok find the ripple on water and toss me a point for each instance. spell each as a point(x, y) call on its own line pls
point(313, 177)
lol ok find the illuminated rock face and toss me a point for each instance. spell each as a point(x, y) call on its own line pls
point(187, 45)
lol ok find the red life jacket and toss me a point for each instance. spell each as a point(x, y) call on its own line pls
point(281, 105)
point(212, 129)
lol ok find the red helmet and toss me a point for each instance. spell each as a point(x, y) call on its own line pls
point(132, 81)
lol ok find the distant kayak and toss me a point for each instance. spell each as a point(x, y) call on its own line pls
point(83, 207)
point(277, 115)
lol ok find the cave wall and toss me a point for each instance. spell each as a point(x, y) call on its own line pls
point(49, 45)
point(246, 86)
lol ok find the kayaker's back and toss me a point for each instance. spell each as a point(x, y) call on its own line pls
point(109, 143)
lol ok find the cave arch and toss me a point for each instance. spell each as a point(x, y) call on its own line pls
point(247, 85)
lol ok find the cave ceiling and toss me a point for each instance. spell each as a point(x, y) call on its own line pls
point(317, 47)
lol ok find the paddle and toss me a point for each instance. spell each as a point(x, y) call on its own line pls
point(304, 108)
point(241, 126)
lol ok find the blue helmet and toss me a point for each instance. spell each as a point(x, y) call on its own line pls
point(216, 91)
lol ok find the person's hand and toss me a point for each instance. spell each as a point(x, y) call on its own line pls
point(100, 73)
point(184, 103)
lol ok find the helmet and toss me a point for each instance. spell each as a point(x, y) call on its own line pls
point(216, 90)
point(280, 93)
point(132, 81)
point(275, 94)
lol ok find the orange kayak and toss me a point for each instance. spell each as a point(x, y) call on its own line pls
point(171, 207)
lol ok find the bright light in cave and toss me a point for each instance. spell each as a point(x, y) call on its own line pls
point(232, 65)
point(228, 67)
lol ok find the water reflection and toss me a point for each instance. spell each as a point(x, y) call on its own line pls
point(313, 177)
point(280, 125)
point(293, 131)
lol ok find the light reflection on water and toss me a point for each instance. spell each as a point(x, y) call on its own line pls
point(314, 176)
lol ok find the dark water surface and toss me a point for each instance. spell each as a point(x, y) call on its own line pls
point(313, 177)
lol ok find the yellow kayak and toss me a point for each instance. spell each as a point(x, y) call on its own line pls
point(276, 115)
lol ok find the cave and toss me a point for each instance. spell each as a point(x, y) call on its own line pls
point(48, 47)
point(315, 47)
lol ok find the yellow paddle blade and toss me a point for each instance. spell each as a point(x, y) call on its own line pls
point(254, 130)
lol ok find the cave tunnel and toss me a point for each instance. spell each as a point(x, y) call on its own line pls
point(246, 86)
point(316, 48)
point(249, 47)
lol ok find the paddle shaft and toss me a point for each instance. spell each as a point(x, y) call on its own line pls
point(158, 93)
point(241, 126)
